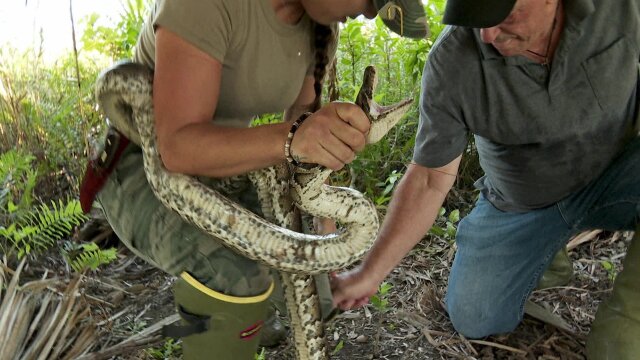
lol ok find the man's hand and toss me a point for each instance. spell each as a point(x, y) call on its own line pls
point(352, 289)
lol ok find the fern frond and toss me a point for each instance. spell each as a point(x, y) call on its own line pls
point(91, 257)
point(45, 225)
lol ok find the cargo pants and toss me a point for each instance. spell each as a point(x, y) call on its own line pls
point(161, 237)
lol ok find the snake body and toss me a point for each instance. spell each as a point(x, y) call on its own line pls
point(125, 94)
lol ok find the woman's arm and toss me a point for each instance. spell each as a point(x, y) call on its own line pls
point(304, 102)
point(185, 93)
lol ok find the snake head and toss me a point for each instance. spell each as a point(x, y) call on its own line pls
point(382, 118)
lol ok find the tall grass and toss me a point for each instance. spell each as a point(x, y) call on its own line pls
point(43, 111)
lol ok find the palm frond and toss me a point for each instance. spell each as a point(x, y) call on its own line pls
point(43, 319)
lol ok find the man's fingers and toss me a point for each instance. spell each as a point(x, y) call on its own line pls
point(346, 304)
point(362, 302)
point(349, 304)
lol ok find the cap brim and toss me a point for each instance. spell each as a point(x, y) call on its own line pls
point(404, 17)
point(477, 14)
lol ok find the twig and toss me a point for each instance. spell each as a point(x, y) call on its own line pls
point(427, 334)
point(156, 327)
point(103, 235)
point(499, 346)
point(468, 344)
point(582, 238)
point(413, 319)
point(113, 317)
point(108, 285)
point(126, 346)
point(146, 338)
point(75, 47)
point(104, 302)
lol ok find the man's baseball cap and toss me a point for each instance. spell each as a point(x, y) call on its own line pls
point(477, 13)
point(404, 17)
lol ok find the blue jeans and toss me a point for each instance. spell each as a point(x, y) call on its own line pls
point(501, 255)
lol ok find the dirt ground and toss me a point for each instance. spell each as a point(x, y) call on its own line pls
point(129, 296)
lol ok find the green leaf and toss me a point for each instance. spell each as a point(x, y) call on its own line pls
point(454, 216)
point(384, 288)
point(338, 347)
point(451, 230)
point(436, 230)
point(11, 207)
point(607, 265)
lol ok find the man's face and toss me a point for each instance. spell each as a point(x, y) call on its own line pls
point(525, 28)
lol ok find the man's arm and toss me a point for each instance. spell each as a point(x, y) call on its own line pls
point(413, 209)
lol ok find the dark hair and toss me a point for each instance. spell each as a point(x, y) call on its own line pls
point(324, 36)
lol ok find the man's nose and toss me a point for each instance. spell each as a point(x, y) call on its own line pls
point(488, 35)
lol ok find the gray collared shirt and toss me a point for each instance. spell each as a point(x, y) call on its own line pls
point(541, 132)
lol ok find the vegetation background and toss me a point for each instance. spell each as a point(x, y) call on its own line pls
point(49, 121)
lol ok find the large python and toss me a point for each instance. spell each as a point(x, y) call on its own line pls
point(125, 94)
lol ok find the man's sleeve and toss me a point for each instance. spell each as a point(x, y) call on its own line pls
point(442, 132)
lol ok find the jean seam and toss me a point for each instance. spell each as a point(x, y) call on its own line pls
point(562, 215)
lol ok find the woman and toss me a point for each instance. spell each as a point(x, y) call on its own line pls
point(218, 63)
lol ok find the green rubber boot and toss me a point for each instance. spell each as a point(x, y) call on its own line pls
point(215, 325)
point(615, 332)
point(559, 271)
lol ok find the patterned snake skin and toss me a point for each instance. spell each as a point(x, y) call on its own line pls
point(125, 94)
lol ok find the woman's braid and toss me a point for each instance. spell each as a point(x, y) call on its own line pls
point(323, 37)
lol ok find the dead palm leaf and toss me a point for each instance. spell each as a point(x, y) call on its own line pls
point(43, 319)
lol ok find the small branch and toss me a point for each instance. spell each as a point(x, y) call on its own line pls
point(127, 346)
point(499, 346)
point(75, 47)
point(582, 238)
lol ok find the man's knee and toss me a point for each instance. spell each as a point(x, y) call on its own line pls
point(476, 319)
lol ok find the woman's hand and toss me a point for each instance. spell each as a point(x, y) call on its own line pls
point(352, 289)
point(331, 136)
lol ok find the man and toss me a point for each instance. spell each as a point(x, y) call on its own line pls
point(549, 89)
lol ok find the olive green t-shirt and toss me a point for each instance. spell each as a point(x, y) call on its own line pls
point(264, 61)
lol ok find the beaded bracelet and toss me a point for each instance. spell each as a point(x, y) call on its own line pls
point(287, 145)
